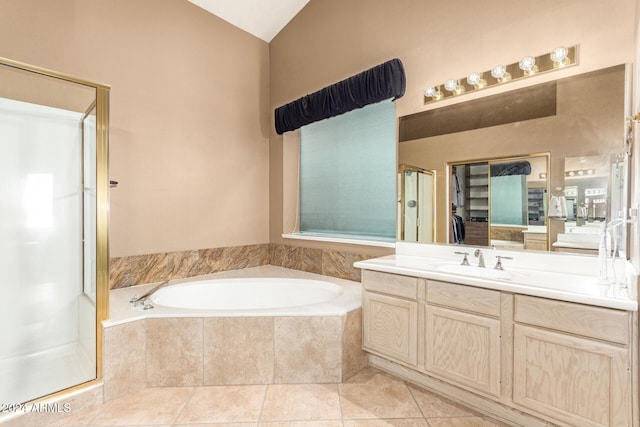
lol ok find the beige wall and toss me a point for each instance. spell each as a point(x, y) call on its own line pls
point(192, 97)
point(189, 114)
point(330, 40)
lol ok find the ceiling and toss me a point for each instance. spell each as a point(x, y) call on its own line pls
point(262, 18)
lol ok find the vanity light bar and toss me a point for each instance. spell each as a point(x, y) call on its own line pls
point(579, 173)
point(528, 66)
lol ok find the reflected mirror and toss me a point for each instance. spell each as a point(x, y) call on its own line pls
point(500, 202)
point(593, 193)
point(576, 117)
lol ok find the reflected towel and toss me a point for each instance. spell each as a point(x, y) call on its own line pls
point(558, 207)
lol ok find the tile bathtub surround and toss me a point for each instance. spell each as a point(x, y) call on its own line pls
point(123, 357)
point(354, 359)
point(174, 351)
point(308, 349)
point(388, 401)
point(197, 351)
point(139, 269)
point(321, 261)
point(238, 350)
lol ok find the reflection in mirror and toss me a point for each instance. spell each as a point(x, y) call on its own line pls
point(500, 202)
point(581, 115)
point(415, 204)
point(594, 191)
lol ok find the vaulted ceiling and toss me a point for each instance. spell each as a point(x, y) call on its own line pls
point(262, 18)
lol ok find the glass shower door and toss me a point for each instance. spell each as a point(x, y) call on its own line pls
point(48, 241)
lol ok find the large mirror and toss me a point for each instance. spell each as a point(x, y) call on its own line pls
point(559, 129)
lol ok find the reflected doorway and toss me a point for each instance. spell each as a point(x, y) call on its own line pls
point(416, 189)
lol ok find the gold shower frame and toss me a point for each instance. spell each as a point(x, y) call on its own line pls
point(102, 206)
point(401, 197)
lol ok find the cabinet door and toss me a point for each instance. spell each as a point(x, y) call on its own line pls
point(575, 380)
point(391, 327)
point(463, 348)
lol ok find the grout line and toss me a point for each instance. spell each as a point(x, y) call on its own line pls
point(264, 399)
point(203, 350)
point(415, 400)
point(339, 391)
point(184, 405)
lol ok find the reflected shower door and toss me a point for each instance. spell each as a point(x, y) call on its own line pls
point(416, 205)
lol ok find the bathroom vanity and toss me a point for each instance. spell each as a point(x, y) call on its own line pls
point(528, 347)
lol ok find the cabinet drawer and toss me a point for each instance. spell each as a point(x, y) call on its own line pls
point(541, 237)
point(469, 298)
point(391, 284)
point(595, 322)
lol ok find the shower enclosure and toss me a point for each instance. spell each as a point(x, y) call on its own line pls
point(53, 231)
point(416, 204)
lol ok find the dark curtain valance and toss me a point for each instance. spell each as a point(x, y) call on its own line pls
point(376, 84)
point(506, 169)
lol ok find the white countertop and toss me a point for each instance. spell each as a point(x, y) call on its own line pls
point(575, 245)
point(565, 277)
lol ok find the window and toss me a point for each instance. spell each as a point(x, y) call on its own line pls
point(348, 175)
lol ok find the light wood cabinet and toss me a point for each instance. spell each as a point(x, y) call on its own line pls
point(535, 241)
point(390, 324)
point(464, 348)
point(563, 366)
point(462, 335)
point(524, 359)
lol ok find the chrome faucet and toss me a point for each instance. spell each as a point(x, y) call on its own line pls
point(478, 254)
point(138, 301)
point(499, 263)
point(465, 260)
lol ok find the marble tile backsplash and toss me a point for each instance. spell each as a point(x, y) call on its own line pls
point(140, 269)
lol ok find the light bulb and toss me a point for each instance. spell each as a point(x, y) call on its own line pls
point(528, 65)
point(476, 80)
point(433, 93)
point(559, 56)
point(451, 85)
point(499, 72)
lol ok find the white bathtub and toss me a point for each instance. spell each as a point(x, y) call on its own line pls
point(246, 294)
point(250, 292)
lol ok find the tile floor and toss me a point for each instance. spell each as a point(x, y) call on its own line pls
point(369, 399)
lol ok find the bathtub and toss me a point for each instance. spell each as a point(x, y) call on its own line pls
point(259, 325)
point(241, 294)
point(256, 291)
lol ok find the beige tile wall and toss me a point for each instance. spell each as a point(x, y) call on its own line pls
point(308, 349)
point(238, 350)
point(123, 358)
point(354, 359)
point(174, 352)
point(140, 269)
point(231, 351)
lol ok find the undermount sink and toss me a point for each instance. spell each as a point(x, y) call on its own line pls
point(469, 270)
